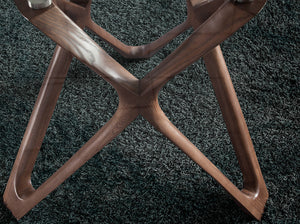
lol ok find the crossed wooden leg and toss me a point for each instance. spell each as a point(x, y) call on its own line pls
point(254, 194)
point(20, 196)
point(137, 97)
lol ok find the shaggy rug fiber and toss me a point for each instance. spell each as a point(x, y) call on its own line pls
point(141, 177)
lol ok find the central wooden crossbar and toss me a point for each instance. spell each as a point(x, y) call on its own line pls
point(63, 21)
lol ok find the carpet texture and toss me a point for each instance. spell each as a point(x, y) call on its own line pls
point(141, 177)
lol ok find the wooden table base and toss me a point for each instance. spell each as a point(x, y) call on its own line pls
point(213, 21)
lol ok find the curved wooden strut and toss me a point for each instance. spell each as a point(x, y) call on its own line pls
point(213, 21)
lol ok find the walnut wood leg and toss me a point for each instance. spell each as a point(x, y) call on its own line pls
point(143, 51)
point(254, 184)
point(20, 196)
point(21, 204)
point(39, 120)
point(251, 203)
point(234, 119)
point(212, 26)
point(20, 178)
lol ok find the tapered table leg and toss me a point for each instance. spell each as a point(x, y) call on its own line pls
point(20, 179)
point(252, 202)
point(137, 96)
point(235, 123)
point(21, 205)
point(20, 196)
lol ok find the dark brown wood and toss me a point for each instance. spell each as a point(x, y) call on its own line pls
point(213, 21)
point(143, 51)
point(254, 185)
point(228, 18)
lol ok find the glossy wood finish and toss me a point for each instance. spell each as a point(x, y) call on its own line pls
point(212, 21)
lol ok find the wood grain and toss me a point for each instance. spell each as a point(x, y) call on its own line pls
point(212, 21)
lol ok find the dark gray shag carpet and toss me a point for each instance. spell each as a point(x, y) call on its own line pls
point(141, 177)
